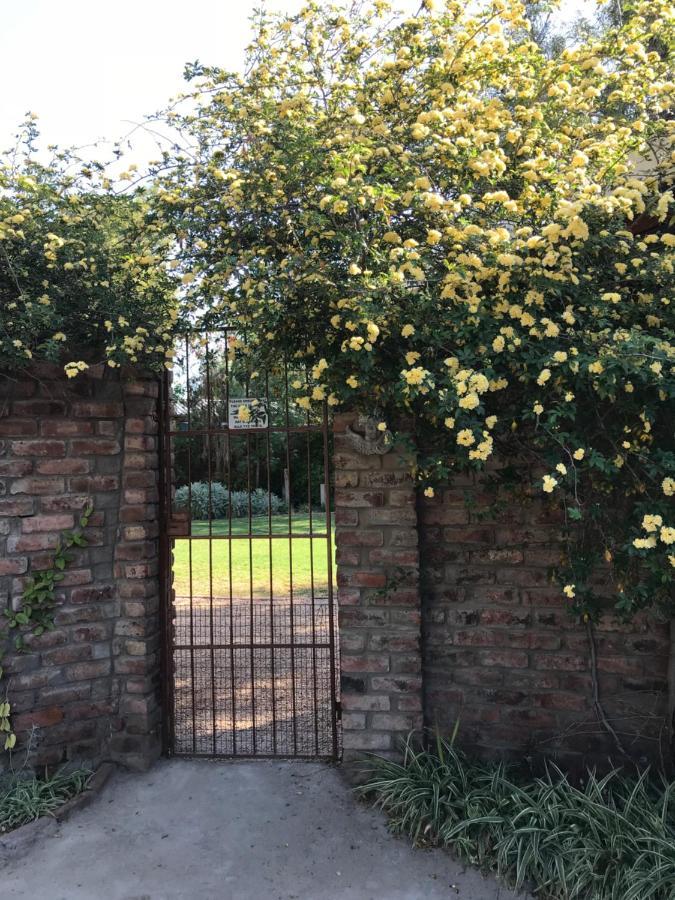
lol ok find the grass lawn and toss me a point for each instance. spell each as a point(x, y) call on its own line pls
point(209, 562)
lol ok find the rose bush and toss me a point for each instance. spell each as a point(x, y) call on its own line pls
point(438, 218)
point(81, 273)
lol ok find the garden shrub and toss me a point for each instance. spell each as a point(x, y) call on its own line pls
point(219, 501)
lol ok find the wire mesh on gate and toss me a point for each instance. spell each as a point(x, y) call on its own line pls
point(250, 636)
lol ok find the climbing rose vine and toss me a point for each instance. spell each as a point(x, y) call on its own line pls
point(81, 279)
point(441, 221)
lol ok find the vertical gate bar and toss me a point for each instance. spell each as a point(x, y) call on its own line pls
point(311, 579)
point(229, 542)
point(329, 552)
point(189, 539)
point(250, 577)
point(271, 544)
point(209, 476)
point(290, 558)
point(166, 573)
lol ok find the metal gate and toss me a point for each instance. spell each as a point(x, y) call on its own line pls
point(250, 649)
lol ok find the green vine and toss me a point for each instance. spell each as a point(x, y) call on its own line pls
point(35, 615)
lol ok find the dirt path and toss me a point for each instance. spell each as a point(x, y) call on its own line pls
point(198, 830)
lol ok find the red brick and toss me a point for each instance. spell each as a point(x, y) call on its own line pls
point(392, 722)
point(83, 671)
point(76, 576)
point(95, 447)
point(444, 515)
point(142, 425)
point(95, 483)
point(56, 522)
point(140, 442)
point(394, 557)
point(16, 566)
point(15, 468)
point(456, 535)
point(41, 718)
point(396, 597)
point(97, 410)
point(38, 486)
point(39, 448)
point(366, 702)
point(360, 538)
point(65, 428)
point(363, 579)
point(365, 663)
point(622, 666)
point(496, 555)
point(149, 388)
point(358, 499)
point(404, 684)
point(508, 659)
point(347, 517)
point(64, 503)
point(131, 514)
point(348, 556)
point(140, 496)
point(140, 461)
point(561, 701)
point(143, 479)
point(387, 516)
point(63, 467)
point(28, 543)
point(39, 408)
point(139, 532)
point(17, 427)
point(17, 507)
point(561, 662)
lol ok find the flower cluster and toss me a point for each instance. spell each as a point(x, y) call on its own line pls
point(439, 219)
point(80, 272)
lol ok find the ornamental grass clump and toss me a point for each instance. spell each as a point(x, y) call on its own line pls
point(24, 798)
point(611, 838)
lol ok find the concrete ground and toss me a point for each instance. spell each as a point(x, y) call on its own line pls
point(207, 830)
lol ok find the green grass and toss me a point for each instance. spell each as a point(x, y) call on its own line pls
point(205, 565)
point(612, 838)
point(23, 799)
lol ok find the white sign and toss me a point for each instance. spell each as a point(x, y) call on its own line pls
point(247, 412)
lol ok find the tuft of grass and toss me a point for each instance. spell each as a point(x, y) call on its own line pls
point(23, 799)
point(613, 838)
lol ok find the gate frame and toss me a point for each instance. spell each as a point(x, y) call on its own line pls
point(166, 539)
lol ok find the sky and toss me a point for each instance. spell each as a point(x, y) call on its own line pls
point(91, 70)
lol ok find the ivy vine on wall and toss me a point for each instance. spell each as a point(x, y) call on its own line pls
point(35, 613)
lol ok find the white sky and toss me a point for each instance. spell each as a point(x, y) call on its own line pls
point(90, 69)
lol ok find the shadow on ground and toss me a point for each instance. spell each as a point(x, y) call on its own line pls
point(234, 831)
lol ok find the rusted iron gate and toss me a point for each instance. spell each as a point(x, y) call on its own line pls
point(250, 648)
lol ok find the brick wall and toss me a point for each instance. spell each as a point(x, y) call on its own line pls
point(504, 656)
point(90, 686)
point(499, 650)
point(378, 597)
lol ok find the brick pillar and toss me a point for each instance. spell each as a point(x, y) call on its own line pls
point(378, 596)
point(137, 630)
